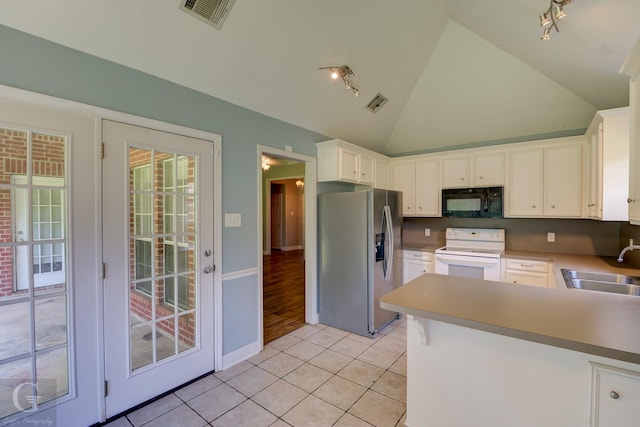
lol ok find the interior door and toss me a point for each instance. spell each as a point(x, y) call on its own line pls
point(158, 244)
point(276, 220)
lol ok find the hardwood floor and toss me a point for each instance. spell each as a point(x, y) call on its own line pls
point(283, 293)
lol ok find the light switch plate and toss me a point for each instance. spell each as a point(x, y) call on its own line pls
point(232, 220)
point(427, 232)
point(551, 237)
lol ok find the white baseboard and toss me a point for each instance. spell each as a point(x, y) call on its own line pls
point(243, 353)
point(291, 248)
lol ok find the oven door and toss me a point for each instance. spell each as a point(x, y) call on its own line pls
point(468, 266)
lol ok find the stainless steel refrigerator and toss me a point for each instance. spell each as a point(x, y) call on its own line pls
point(360, 258)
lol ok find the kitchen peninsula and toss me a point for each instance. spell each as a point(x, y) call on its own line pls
point(484, 353)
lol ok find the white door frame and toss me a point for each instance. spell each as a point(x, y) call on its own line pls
point(217, 218)
point(310, 221)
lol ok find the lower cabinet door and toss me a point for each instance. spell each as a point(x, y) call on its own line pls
point(615, 397)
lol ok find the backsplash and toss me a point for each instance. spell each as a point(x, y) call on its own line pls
point(576, 236)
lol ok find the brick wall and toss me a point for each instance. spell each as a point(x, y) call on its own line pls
point(48, 153)
point(141, 303)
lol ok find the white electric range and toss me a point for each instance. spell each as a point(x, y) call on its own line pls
point(471, 252)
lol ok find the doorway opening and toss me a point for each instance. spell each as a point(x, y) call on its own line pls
point(287, 244)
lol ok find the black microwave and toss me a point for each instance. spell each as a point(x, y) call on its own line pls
point(485, 202)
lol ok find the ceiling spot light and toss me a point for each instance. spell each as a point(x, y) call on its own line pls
point(550, 18)
point(345, 73)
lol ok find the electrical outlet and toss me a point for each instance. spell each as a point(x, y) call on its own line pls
point(427, 232)
point(630, 242)
point(551, 237)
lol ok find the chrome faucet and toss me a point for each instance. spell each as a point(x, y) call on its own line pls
point(628, 248)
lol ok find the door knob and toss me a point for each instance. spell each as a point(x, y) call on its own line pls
point(207, 269)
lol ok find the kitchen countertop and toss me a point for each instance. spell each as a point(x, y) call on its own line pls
point(589, 322)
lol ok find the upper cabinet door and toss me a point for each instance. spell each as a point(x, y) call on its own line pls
point(563, 180)
point(427, 188)
point(404, 179)
point(455, 172)
point(366, 169)
point(348, 165)
point(524, 193)
point(631, 67)
point(488, 170)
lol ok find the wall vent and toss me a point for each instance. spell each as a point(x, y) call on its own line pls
point(376, 103)
point(213, 12)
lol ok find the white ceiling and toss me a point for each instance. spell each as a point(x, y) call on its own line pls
point(456, 72)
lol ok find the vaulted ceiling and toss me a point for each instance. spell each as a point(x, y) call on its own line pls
point(456, 72)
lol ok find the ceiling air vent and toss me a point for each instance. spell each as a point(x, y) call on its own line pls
point(213, 12)
point(376, 103)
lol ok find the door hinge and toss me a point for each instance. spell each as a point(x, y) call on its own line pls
point(106, 388)
point(104, 270)
point(102, 151)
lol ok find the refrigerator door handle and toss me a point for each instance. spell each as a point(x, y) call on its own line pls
point(388, 255)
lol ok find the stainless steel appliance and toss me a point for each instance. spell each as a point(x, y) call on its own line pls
point(360, 258)
point(471, 252)
point(485, 202)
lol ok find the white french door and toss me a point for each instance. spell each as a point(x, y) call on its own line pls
point(158, 226)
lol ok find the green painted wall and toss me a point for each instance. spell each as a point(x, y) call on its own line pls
point(37, 65)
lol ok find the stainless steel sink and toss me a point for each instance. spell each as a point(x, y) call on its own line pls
point(602, 282)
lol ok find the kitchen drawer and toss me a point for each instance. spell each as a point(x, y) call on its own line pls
point(526, 265)
point(418, 255)
point(529, 279)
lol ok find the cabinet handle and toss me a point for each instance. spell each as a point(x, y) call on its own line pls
point(420, 207)
point(553, 206)
point(534, 206)
point(462, 178)
point(630, 200)
point(526, 265)
point(614, 395)
point(480, 177)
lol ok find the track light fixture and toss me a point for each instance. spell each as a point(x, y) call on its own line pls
point(550, 18)
point(345, 73)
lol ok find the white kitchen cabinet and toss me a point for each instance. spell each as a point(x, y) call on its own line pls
point(608, 166)
point(415, 264)
point(381, 175)
point(488, 170)
point(526, 272)
point(341, 161)
point(456, 172)
point(420, 186)
point(546, 181)
point(631, 68)
point(563, 180)
point(525, 185)
point(481, 169)
point(427, 188)
point(615, 394)
point(403, 178)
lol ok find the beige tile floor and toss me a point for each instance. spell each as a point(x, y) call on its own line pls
point(315, 376)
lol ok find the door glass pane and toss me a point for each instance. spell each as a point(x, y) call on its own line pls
point(33, 282)
point(48, 157)
point(51, 321)
point(16, 331)
point(165, 342)
point(141, 345)
point(52, 374)
point(162, 248)
point(16, 378)
point(186, 331)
